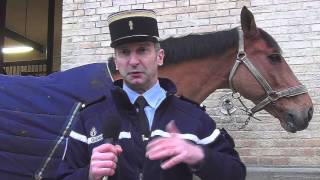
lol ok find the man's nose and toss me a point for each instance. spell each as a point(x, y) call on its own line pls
point(133, 59)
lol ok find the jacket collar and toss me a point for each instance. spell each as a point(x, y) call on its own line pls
point(165, 83)
point(121, 98)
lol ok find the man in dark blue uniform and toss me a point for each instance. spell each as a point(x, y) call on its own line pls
point(161, 136)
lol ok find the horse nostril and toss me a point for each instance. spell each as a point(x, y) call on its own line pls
point(310, 114)
point(290, 120)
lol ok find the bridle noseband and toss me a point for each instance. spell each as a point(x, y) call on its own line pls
point(272, 95)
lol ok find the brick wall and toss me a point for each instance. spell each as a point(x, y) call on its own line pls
point(295, 24)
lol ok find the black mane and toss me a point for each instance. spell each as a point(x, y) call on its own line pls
point(197, 46)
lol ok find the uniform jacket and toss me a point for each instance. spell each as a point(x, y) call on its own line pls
point(221, 160)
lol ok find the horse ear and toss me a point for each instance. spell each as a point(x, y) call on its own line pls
point(248, 23)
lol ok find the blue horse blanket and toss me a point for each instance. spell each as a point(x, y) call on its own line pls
point(35, 114)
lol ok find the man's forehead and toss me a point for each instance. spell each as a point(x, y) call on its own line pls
point(135, 44)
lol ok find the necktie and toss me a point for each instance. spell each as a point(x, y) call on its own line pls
point(141, 103)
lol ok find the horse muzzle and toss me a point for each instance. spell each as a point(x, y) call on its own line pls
point(297, 120)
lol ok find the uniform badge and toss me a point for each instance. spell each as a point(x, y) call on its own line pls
point(93, 132)
point(94, 136)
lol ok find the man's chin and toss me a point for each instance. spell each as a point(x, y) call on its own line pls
point(134, 83)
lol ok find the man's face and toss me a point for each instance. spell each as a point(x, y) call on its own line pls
point(138, 64)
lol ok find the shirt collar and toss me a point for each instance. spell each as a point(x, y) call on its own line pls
point(153, 96)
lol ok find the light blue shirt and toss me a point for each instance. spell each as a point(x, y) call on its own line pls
point(154, 96)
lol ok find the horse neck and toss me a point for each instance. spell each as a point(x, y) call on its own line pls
point(197, 79)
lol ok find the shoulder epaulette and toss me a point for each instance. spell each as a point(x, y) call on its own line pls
point(201, 106)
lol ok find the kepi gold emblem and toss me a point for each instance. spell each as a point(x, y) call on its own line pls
point(130, 23)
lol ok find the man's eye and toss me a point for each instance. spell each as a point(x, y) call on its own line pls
point(124, 51)
point(142, 50)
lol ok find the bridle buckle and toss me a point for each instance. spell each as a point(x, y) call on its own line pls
point(273, 96)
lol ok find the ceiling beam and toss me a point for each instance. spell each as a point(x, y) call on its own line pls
point(22, 39)
point(3, 8)
point(50, 35)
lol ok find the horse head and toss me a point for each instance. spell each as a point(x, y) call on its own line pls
point(294, 109)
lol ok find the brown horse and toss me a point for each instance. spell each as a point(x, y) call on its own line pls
point(248, 61)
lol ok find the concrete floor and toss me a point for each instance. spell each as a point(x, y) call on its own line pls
point(282, 173)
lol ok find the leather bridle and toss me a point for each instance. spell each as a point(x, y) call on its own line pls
point(272, 95)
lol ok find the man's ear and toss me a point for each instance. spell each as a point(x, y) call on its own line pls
point(160, 57)
point(116, 63)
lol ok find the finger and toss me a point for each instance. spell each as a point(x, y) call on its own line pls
point(118, 149)
point(103, 172)
point(172, 128)
point(103, 164)
point(160, 144)
point(168, 141)
point(105, 148)
point(110, 156)
point(154, 142)
point(172, 161)
point(162, 154)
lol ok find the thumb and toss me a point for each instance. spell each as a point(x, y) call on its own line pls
point(119, 149)
point(172, 128)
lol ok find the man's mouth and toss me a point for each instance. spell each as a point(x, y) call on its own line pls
point(135, 73)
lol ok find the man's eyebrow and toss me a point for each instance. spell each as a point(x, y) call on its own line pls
point(121, 47)
point(144, 44)
point(138, 44)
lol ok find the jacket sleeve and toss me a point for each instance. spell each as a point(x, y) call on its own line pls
point(75, 164)
point(221, 161)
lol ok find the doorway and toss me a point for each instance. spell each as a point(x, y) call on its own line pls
point(31, 37)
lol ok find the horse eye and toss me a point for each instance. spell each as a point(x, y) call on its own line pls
point(275, 58)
